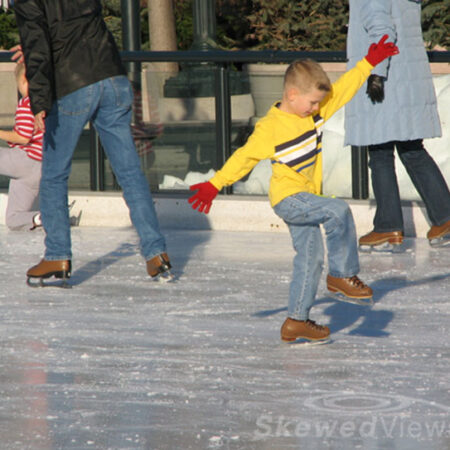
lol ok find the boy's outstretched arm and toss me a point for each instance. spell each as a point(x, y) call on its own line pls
point(203, 198)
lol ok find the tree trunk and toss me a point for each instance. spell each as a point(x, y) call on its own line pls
point(161, 23)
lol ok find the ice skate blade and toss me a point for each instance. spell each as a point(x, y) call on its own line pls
point(382, 248)
point(304, 342)
point(353, 301)
point(440, 242)
point(39, 283)
point(164, 277)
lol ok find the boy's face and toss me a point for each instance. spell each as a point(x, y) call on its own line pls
point(303, 104)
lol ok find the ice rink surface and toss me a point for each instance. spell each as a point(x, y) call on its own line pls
point(123, 362)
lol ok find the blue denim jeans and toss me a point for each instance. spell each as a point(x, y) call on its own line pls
point(425, 175)
point(108, 104)
point(304, 213)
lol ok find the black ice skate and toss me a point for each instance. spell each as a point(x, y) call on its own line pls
point(60, 269)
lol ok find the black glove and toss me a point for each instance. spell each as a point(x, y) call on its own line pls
point(375, 88)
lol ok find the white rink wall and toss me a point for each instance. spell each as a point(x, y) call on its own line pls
point(229, 213)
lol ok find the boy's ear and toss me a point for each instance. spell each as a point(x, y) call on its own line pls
point(292, 93)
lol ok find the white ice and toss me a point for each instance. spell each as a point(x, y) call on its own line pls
point(121, 362)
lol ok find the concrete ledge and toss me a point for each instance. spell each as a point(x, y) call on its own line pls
point(233, 213)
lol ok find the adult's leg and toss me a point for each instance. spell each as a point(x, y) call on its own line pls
point(388, 215)
point(112, 121)
point(63, 126)
point(427, 179)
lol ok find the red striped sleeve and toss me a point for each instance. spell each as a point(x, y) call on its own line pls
point(24, 126)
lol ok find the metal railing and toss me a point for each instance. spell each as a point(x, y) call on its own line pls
point(223, 60)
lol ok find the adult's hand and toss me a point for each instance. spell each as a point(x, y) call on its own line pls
point(39, 124)
point(18, 54)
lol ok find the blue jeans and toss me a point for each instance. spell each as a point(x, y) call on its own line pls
point(424, 174)
point(304, 213)
point(108, 104)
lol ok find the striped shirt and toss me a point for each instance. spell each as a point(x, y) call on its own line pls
point(24, 126)
point(301, 152)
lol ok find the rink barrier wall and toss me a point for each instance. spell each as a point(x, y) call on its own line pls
point(229, 213)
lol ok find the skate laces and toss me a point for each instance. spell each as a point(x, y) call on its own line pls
point(313, 324)
point(357, 282)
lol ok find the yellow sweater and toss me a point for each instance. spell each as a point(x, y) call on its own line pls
point(292, 143)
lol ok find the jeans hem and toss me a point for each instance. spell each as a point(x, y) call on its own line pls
point(158, 252)
point(298, 317)
point(443, 222)
point(57, 258)
point(349, 274)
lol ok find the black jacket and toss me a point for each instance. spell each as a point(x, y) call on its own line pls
point(66, 46)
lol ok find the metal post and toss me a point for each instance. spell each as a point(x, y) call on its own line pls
point(131, 41)
point(131, 36)
point(223, 117)
point(360, 173)
point(204, 18)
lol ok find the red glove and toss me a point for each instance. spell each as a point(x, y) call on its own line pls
point(204, 196)
point(381, 51)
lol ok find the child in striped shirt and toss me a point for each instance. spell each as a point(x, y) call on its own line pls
point(21, 162)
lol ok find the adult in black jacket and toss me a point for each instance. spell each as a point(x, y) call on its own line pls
point(75, 75)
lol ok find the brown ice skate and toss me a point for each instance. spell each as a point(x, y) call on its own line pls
point(386, 242)
point(351, 290)
point(159, 267)
point(293, 330)
point(47, 269)
point(439, 235)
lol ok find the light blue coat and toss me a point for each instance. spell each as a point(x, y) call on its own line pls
point(409, 110)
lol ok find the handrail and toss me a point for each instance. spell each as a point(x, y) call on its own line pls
point(223, 56)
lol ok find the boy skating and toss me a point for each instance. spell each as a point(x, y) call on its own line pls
point(290, 136)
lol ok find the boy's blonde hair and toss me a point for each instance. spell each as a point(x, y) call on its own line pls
point(19, 71)
point(306, 75)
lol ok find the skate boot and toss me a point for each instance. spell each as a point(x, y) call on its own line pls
point(304, 332)
point(159, 267)
point(36, 222)
point(389, 242)
point(351, 290)
point(46, 269)
point(439, 235)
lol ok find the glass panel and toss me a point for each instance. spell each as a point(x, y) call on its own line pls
point(175, 134)
point(180, 108)
point(79, 178)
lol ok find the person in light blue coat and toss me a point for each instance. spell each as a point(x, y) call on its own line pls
point(396, 109)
